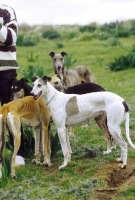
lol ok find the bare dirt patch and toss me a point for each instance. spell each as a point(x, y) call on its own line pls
point(115, 179)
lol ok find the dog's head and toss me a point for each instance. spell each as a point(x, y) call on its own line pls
point(57, 84)
point(58, 61)
point(18, 89)
point(38, 86)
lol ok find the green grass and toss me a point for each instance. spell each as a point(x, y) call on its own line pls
point(76, 180)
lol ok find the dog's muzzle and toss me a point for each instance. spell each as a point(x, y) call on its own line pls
point(36, 96)
point(58, 70)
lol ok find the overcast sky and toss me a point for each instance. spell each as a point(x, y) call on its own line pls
point(82, 12)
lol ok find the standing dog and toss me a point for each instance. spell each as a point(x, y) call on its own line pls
point(84, 88)
point(72, 76)
point(20, 89)
point(72, 109)
point(31, 113)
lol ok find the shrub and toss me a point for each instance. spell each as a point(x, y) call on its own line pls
point(89, 28)
point(59, 45)
point(32, 71)
point(31, 58)
point(103, 36)
point(20, 40)
point(51, 34)
point(26, 41)
point(69, 62)
point(87, 36)
point(122, 33)
point(123, 62)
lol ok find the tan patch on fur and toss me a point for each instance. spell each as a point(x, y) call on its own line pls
point(72, 107)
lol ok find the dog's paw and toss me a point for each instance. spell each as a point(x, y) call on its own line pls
point(48, 164)
point(122, 166)
point(13, 176)
point(33, 161)
point(37, 162)
point(62, 166)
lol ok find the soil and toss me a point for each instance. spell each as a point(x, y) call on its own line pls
point(115, 179)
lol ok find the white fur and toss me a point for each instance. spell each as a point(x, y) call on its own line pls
point(90, 106)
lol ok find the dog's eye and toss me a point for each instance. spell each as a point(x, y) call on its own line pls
point(61, 58)
point(39, 85)
point(54, 59)
point(56, 82)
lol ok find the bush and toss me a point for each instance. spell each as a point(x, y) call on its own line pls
point(59, 45)
point(123, 62)
point(88, 28)
point(122, 33)
point(33, 71)
point(51, 34)
point(20, 40)
point(103, 36)
point(26, 41)
point(69, 62)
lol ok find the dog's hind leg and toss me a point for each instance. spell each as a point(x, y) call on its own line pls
point(101, 122)
point(71, 130)
point(14, 125)
point(116, 134)
point(38, 137)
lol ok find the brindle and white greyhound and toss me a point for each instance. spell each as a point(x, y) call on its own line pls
point(72, 76)
point(72, 109)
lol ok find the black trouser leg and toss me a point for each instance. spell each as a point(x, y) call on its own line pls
point(5, 93)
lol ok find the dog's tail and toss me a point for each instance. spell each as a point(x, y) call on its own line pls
point(127, 125)
point(4, 122)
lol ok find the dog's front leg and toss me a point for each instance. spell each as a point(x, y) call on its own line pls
point(65, 145)
point(46, 145)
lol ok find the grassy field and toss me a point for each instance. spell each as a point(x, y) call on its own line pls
point(88, 176)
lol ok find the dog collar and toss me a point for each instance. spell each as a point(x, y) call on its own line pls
point(50, 99)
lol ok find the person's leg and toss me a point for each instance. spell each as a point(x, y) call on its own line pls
point(5, 98)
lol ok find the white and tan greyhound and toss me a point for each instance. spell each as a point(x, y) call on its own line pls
point(72, 109)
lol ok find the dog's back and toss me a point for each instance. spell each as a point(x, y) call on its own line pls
point(84, 88)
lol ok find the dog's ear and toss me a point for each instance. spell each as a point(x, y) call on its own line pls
point(24, 80)
point(34, 78)
point(49, 78)
point(46, 78)
point(51, 54)
point(63, 53)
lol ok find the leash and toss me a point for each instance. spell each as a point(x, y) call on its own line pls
point(50, 99)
